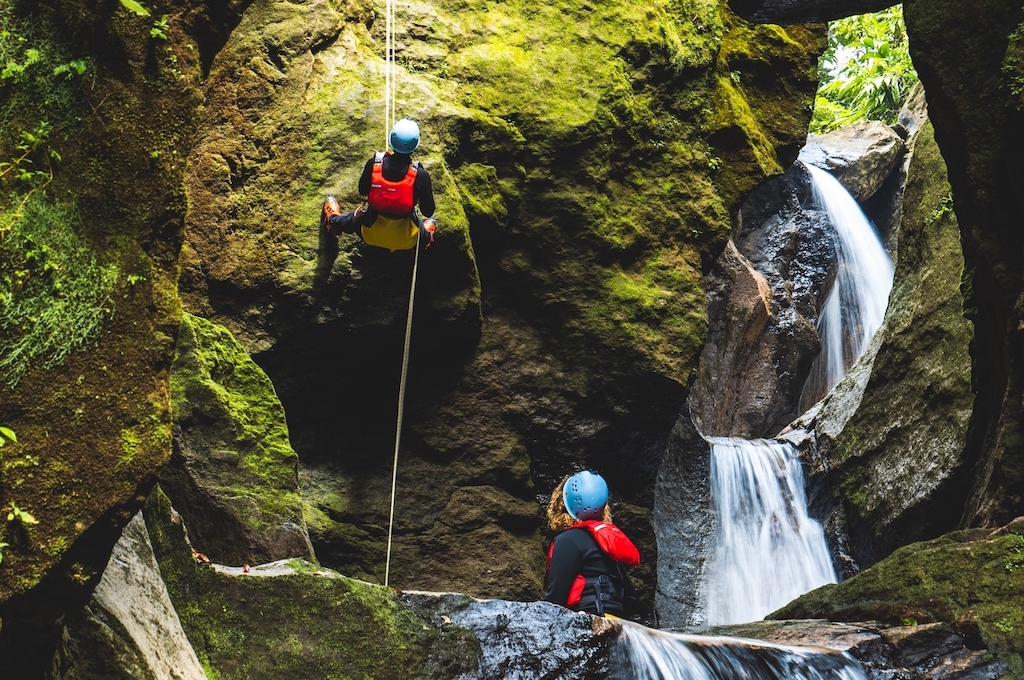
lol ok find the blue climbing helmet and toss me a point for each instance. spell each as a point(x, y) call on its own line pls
point(585, 494)
point(405, 136)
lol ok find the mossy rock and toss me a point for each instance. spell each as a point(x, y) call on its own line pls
point(93, 414)
point(973, 579)
point(295, 619)
point(233, 472)
point(576, 151)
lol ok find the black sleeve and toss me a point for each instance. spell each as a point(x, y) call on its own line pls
point(424, 190)
point(566, 562)
point(364, 181)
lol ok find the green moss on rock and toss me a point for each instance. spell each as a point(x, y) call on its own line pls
point(234, 473)
point(972, 579)
point(297, 620)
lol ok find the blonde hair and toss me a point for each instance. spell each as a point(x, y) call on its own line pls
point(559, 518)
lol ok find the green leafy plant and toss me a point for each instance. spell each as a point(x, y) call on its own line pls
point(137, 7)
point(7, 435)
point(23, 517)
point(865, 72)
point(159, 28)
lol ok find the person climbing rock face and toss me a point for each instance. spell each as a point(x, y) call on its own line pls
point(587, 559)
point(393, 186)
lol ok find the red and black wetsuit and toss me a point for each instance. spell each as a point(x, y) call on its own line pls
point(586, 568)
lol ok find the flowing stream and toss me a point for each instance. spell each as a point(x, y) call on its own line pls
point(767, 550)
point(645, 654)
point(855, 306)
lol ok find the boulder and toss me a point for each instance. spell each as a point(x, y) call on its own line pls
point(523, 640)
point(294, 619)
point(129, 630)
point(861, 156)
point(233, 471)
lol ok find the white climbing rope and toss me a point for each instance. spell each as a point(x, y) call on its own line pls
point(389, 70)
point(401, 406)
point(389, 122)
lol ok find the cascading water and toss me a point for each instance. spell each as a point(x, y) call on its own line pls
point(768, 551)
point(645, 654)
point(855, 306)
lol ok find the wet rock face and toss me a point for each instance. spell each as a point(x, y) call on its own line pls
point(522, 641)
point(560, 312)
point(912, 651)
point(861, 156)
point(801, 11)
point(762, 337)
point(685, 522)
point(233, 471)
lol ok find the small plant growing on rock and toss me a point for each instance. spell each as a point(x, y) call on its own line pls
point(23, 517)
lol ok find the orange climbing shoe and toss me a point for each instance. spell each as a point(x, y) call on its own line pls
point(330, 209)
point(429, 226)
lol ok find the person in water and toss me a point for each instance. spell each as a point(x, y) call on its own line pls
point(587, 559)
point(393, 186)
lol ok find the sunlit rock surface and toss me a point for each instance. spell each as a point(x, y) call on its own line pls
point(861, 156)
point(130, 629)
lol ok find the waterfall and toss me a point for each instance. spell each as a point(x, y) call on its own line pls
point(767, 550)
point(855, 306)
point(644, 654)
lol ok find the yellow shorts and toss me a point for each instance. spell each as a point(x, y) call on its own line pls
point(394, 234)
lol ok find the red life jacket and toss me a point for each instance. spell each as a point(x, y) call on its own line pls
point(611, 541)
point(391, 199)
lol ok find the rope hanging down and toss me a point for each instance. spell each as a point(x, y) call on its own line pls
point(389, 114)
point(401, 408)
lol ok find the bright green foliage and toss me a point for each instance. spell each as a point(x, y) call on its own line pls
point(865, 72)
point(7, 434)
point(133, 6)
point(16, 514)
point(53, 290)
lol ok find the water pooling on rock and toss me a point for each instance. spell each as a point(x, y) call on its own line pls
point(856, 304)
point(767, 550)
point(644, 654)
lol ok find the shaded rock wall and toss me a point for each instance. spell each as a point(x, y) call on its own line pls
point(799, 11)
point(585, 160)
point(969, 57)
point(93, 417)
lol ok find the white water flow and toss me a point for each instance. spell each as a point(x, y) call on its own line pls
point(766, 550)
point(645, 654)
point(856, 304)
